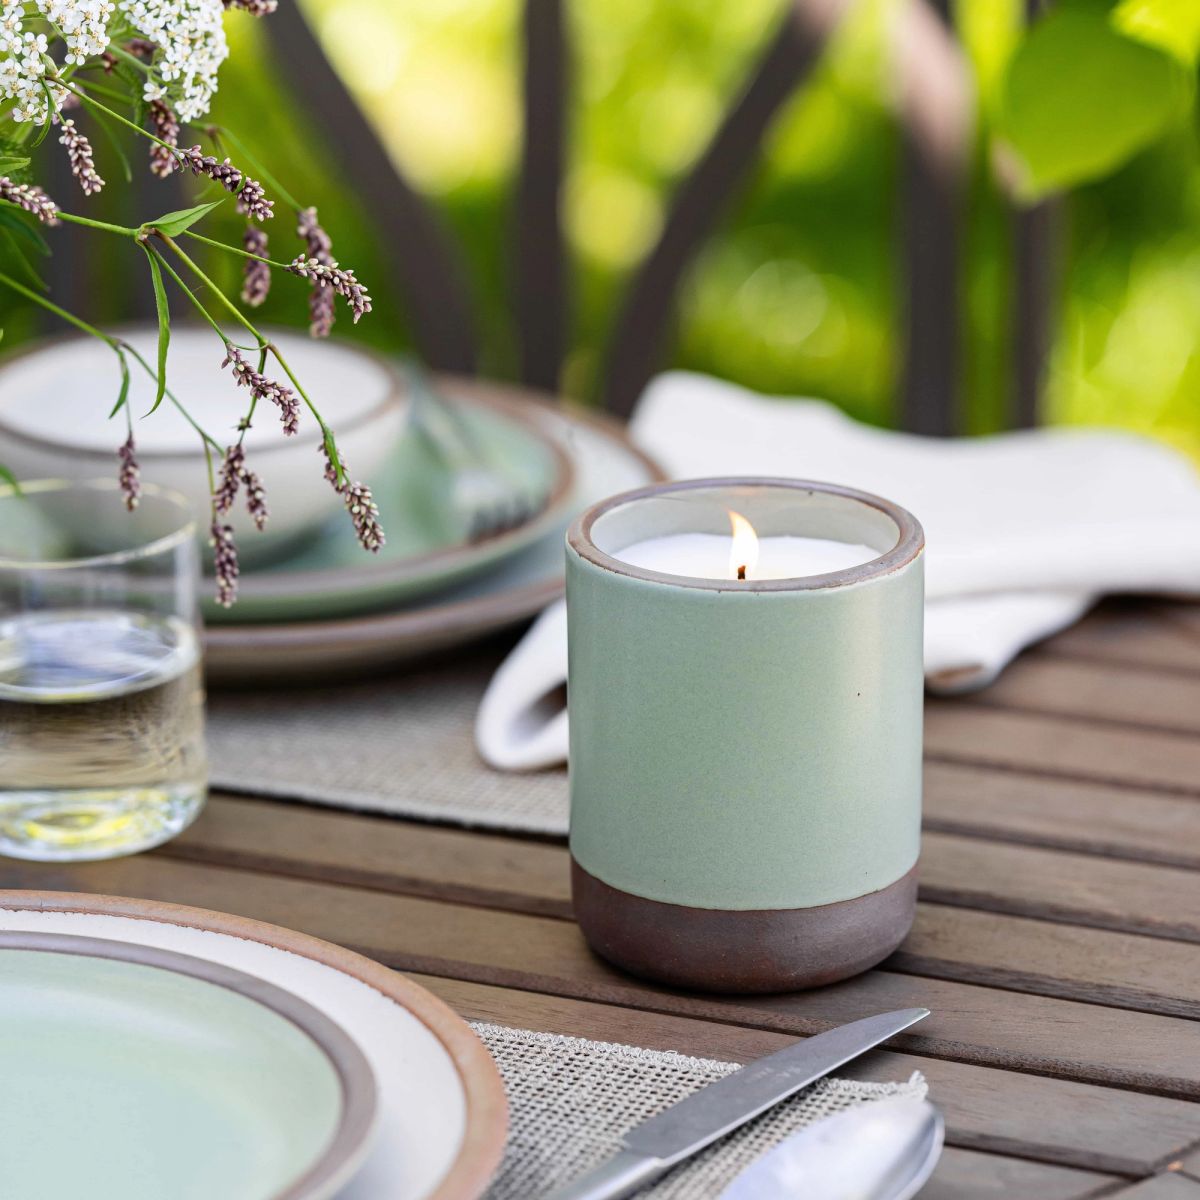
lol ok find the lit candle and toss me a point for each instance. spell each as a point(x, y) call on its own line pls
point(744, 555)
point(746, 692)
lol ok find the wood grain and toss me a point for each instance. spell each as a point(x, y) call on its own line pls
point(948, 942)
point(1043, 1035)
point(1056, 939)
point(1096, 818)
point(1048, 959)
point(1168, 1186)
point(379, 852)
point(1137, 633)
point(1053, 1120)
point(1062, 747)
point(1084, 889)
point(969, 1175)
point(1136, 696)
point(530, 876)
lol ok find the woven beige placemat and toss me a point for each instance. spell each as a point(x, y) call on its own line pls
point(571, 1100)
point(403, 746)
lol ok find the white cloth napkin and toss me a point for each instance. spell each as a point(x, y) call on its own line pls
point(1024, 532)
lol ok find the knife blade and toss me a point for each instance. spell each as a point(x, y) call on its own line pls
point(659, 1143)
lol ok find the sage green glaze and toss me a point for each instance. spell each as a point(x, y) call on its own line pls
point(122, 1081)
point(734, 748)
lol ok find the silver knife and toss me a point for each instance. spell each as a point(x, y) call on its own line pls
point(666, 1139)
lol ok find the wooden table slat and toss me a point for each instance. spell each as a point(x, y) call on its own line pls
point(1137, 635)
point(1137, 697)
point(1168, 1186)
point(1062, 747)
point(533, 877)
point(1092, 818)
point(1062, 1038)
point(969, 1175)
point(1159, 901)
point(1057, 941)
point(1006, 1112)
point(948, 942)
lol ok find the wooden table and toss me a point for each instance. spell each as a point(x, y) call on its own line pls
point(1056, 941)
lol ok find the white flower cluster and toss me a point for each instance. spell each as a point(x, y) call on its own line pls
point(191, 38)
point(190, 34)
point(84, 24)
point(23, 67)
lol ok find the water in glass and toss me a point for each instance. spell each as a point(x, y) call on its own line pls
point(101, 732)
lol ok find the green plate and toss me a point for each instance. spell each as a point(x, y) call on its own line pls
point(133, 1073)
point(428, 545)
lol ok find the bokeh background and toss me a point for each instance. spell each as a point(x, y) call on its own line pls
point(800, 289)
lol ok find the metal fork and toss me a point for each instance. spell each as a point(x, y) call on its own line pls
point(483, 495)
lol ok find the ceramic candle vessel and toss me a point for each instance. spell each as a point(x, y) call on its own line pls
point(745, 755)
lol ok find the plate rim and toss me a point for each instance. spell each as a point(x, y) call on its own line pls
point(49, 342)
point(356, 1080)
point(283, 585)
point(486, 1126)
point(496, 609)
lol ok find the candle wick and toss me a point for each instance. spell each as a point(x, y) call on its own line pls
point(741, 572)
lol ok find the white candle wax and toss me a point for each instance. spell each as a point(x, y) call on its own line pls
point(707, 556)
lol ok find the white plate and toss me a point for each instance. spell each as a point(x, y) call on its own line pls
point(605, 462)
point(176, 1076)
point(442, 1115)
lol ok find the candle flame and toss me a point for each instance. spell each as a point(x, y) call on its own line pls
point(743, 554)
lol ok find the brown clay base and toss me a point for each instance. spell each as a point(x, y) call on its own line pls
point(750, 950)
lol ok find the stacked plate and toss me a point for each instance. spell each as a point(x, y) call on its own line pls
point(310, 599)
point(152, 1050)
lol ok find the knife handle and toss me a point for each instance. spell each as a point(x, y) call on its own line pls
point(620, 1176)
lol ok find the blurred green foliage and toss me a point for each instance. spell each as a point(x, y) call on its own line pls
point(798, 291)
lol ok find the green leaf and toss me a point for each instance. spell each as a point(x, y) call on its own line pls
point(130, 76)
point(1080, 99)
point(15, 167)
point(10, 479)
point(45, 128)
point(24, 226)
point(1171, 25)
point(331, 452)
point(123, 395)
point(14, 160)
point(26, 267)
point(174, 223)
point(164, 326)
point(113, 140)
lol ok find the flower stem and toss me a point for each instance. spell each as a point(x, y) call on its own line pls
point(49, 305)
point(183, 412)
point(116, 344)
point(93, 86)
point(116, 116)
point(219, 132)
point(228, 304)
point(132, 59)
point(263, 342)
point(199, 237)
point(75, 219)
point(187, 291)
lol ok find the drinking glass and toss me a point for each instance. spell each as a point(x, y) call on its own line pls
point(101, 696)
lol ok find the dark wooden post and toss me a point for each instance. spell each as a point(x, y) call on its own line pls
point(930, 192)
point(1036, 233)
point(1036, 268)
point(414, 245)
point(645, 315)
point(541, 272)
